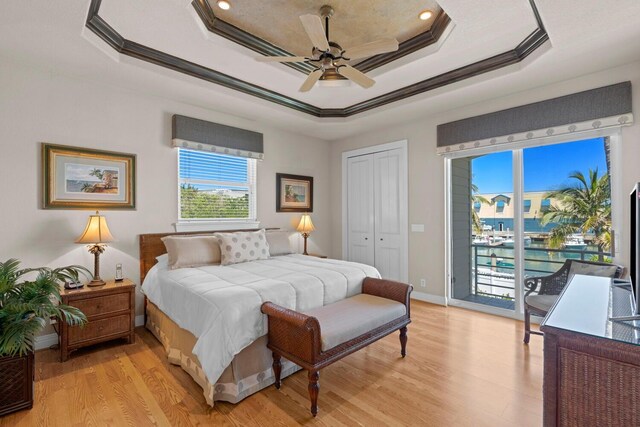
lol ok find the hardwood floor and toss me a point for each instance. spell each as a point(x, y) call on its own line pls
point(462, 369)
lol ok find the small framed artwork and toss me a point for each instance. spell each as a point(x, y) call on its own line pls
point(82, 178)
point(294, 193)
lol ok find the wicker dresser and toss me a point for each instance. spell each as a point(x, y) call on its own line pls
point(591, 365)
point(110, 310)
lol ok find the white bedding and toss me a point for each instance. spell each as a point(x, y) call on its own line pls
point(220, 305)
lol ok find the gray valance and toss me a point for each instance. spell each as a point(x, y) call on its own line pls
point(201, 135)
point(603, 107)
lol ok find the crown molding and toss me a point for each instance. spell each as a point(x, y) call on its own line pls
point(144, 53)
point(414, 44)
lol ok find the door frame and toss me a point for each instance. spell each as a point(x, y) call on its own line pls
point(404, 197)
point(618, 198)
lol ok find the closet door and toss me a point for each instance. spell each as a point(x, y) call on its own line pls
point(388, 222)
point(360, 196)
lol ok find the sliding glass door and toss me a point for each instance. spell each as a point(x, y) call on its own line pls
point(522, 213)
point(482, 230)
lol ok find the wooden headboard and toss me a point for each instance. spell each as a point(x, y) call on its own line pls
point(151, 246)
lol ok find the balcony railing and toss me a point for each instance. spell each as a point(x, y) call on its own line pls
point(493, 275)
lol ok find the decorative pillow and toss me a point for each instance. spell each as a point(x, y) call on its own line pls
point(279, 243)
point(192, 251)
point(243, 246)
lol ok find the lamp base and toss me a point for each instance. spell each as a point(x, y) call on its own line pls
point(96, 282)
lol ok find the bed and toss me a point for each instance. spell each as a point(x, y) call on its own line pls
point(208, 318)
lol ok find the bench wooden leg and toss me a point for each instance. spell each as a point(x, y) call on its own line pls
point(314, 389)
point(277, 368)
point(403, 341)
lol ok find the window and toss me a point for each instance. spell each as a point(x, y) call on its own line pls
point(545, 205)
point(477, 206)
point(500, 206)
point(527, 205)
point(216, 186)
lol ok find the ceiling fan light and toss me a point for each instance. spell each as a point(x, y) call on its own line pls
point(224, 5)
point(425, 15)
point(334, 83)
point(331, 78)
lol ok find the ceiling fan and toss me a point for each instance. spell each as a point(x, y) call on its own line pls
point(329, 57)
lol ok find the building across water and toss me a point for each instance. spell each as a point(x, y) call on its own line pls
point(498, 213)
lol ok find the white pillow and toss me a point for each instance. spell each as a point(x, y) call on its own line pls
point(242, 246)
point(192, 251)
point(279, 243)
point(163, 259)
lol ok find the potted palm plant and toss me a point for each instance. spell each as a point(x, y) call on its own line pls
point(25, 308)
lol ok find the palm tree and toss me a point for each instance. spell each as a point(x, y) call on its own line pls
point(584, 207)
point(476, 198)
point(97, 173)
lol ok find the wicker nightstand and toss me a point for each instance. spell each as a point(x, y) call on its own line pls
point(110, 310)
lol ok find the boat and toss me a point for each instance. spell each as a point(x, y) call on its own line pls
point(508, 242)
point(575, 242)
point(480, 241)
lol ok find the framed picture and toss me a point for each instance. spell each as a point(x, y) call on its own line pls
point(294, 193)
point(82, 178)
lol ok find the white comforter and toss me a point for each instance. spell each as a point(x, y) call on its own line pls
point(220, 306)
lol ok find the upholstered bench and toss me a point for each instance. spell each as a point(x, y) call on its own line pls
point(324, 335)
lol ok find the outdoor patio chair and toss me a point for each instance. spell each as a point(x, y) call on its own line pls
point(542, 292)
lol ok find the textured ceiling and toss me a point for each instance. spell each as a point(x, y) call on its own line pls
point(277, 21)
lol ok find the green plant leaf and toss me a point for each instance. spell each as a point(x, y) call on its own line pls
point(27, 305)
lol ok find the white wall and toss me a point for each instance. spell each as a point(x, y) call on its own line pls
point(426, 169)
point(37, 106)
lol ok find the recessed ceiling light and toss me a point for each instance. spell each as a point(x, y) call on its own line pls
point(424, 15)
point(224, 5)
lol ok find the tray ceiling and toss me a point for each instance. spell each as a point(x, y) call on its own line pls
point(277, 21)
point(171, 37)
point(53, 37)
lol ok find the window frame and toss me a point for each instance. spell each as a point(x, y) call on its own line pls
point(203, 224)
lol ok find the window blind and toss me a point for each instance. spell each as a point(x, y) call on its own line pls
point(216, 186)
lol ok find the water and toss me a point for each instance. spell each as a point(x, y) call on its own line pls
point(537, 262)
point(75, 185)
point(530, 224)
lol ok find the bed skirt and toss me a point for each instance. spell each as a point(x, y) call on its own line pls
point(249, 372)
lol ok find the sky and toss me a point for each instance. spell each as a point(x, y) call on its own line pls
point(545, 168)
point(205, 166)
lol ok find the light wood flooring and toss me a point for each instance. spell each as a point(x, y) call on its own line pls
point(462, 369)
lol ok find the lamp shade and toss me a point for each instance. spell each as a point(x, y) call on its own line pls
point(96, 231)
point(305, 226)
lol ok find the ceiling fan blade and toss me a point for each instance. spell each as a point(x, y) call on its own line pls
point(371, 48)
point(282, 59)
point(314, 76)
point(313, 26)
point(356, 76)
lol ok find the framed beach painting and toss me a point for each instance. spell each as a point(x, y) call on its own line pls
point(294, 193)
point(82, 178)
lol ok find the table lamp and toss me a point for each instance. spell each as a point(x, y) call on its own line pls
point(96, 234)
point(305, 227)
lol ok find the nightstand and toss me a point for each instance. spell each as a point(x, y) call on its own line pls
point(110, 311)
point(317, 255)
